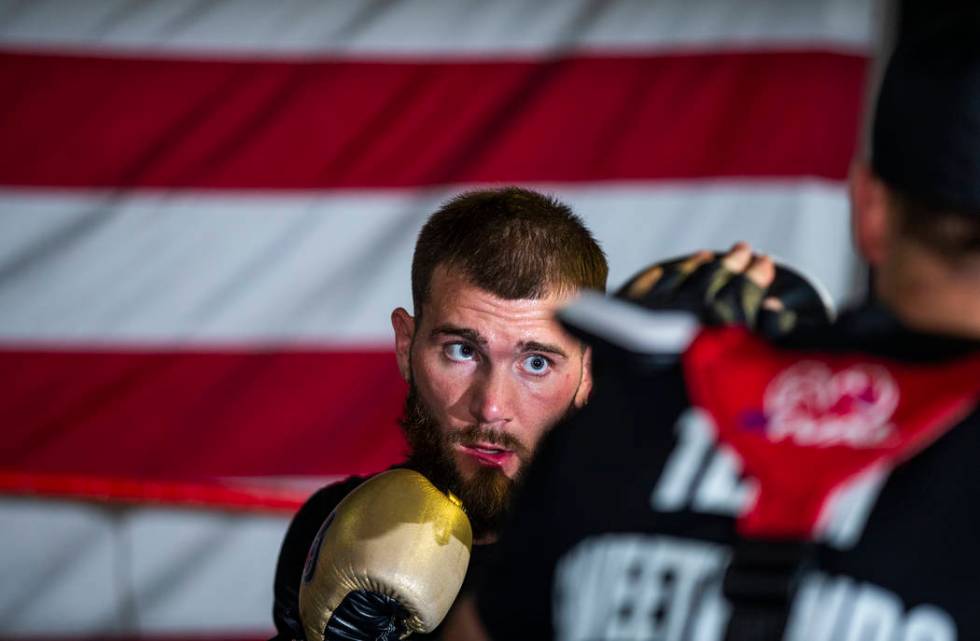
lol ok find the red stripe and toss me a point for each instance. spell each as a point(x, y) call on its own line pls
point(147, 636)
point(129, 122)
point(191, 416)
point(240, 496)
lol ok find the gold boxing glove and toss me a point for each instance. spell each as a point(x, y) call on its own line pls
point(388, 561)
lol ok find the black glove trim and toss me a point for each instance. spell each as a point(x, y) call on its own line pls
point(366, 616)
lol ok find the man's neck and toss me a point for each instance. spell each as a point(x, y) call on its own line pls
point(929, 294)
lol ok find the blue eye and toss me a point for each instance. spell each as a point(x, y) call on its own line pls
point(536, 364)
point(459, 352)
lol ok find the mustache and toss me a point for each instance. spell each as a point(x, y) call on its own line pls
point(473, 434)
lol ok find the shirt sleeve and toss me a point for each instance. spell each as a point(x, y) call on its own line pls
point(292, 556)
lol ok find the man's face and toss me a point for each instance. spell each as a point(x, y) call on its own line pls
point(488, 378)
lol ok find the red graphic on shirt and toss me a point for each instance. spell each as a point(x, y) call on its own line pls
point(811, 405)
point(803, 427)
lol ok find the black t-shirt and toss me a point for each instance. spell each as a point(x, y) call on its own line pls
point(292, 556)
point(625, 526)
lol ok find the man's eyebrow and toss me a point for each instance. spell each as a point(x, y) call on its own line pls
point(471, 335)
point(547, 348)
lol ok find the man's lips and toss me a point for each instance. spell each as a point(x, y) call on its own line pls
point(486, 454)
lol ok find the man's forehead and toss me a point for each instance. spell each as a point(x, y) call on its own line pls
point(448, 280)
point(452, 290)
point(455, 302)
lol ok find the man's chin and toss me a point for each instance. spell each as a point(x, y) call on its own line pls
point(485, 496)
point(484, 486)
point(484, 490)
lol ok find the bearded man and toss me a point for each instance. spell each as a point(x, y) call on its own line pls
point(489, 369)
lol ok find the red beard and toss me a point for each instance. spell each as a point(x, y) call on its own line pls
point(487, 493)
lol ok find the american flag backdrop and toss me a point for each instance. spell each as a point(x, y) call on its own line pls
point(207, 214)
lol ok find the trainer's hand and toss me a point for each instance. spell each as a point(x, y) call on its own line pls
point(387, 562)
point(737, 287)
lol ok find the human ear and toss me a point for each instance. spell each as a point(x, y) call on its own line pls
point(404, 325)
point(585, 385)
point(870, 213)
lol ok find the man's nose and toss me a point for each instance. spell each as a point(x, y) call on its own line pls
point(491, 394)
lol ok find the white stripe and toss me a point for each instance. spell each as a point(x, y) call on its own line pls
point(327, 269)
point(426, 27)
point(88, 569)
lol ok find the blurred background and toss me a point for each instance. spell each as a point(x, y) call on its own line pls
point(207, 214)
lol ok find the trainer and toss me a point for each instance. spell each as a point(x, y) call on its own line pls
point(819, 487)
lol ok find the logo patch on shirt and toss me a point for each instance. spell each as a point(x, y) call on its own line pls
point(813, 406)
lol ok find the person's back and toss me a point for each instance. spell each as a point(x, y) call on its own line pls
point(668, 505)
point(821, 487)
